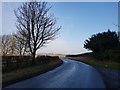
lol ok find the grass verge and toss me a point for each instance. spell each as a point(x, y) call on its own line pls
point(25, 73)
point(98, 63)
point(109, 70)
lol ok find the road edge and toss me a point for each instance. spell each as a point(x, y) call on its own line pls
point(33, 75)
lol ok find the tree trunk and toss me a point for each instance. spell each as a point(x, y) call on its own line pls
point(33, 57)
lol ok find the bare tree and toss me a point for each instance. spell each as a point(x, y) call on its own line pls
point(8, 44)
point(5, 44)
point(21, 45)
point(36, 25)
point(12, 45)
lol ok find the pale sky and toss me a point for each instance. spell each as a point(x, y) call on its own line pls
point(79, 20)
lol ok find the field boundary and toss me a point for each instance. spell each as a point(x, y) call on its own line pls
point(34, 74)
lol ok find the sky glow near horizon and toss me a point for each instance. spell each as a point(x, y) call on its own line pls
point(79, 20)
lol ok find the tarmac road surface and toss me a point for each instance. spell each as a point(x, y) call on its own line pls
point(71, 74)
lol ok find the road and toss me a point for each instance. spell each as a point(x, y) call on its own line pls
point(71, 74)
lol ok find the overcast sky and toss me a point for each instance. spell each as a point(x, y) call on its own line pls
point(79, 20)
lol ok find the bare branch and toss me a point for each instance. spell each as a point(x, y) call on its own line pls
point(36, 25)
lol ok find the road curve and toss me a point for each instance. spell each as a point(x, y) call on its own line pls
point(71, 74)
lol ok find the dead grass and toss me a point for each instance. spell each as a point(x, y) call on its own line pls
point(98, 63)
point(109, 70)
point(21, 74)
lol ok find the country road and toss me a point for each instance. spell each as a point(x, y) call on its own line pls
point(71, 74)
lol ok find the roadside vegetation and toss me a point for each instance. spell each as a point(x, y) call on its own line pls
point(105, 46)
point(108, 69)
point(88, 58)
point(105, 49)
point(36, 27)
point(13, 73)
point(105, 56)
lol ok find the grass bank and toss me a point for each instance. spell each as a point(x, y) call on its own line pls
point(28, 72)
point(109, 70)
point(87, 58)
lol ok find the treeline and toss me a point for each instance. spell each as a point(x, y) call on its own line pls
point(105, 45)
point(12, 45)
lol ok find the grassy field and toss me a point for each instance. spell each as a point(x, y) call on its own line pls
point(21, 74)
point(92, 61)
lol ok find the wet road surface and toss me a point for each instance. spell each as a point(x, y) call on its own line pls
point(71, 74)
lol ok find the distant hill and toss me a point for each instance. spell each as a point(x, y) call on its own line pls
point(51, 54)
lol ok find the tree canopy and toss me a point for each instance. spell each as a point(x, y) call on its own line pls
point(101, 42)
